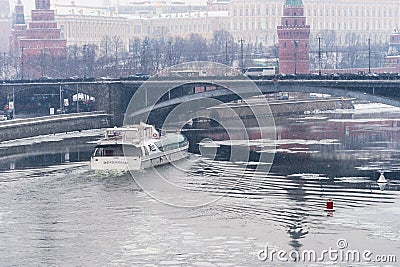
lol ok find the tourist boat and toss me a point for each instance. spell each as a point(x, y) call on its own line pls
point(137, 147)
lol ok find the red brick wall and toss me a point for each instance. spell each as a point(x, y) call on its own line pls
point(294, 30)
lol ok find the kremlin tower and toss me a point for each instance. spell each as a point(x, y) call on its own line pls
point(293, 36)
point(41, 38)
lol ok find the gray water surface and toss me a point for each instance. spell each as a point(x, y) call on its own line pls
point(56, 212)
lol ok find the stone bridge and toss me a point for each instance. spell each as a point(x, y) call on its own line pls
point(113, 96)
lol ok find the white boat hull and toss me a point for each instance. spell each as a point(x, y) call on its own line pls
point(113, 163)
point(137, 163)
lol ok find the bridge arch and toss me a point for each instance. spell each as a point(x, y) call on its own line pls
point(225, 95)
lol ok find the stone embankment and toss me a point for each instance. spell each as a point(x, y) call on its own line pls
point(23, 128)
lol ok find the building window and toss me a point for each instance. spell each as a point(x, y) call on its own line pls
point(284, 44)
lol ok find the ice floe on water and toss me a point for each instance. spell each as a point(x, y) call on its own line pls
point(365, 108)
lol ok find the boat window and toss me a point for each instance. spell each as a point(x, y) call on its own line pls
point(173, 142)
point(108, 151)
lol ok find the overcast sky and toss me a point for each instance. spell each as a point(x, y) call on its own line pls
point(30, 4)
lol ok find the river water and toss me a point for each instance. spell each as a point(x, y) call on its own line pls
point(55, 211)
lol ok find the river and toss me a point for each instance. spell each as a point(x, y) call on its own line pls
point(55, 211)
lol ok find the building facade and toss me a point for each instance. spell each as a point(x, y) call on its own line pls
point(340, 22)
point(293, 36)
point(179, 24)
point(82, 25)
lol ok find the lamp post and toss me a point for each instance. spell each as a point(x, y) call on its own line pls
point(61, 100)
point(295, 56)
point(13, 103)
point(369, 55)
point(77, 99)
point(319, 57)
point(241, 55)
point(22, 63)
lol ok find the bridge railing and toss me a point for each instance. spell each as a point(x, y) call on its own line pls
point(49, 118)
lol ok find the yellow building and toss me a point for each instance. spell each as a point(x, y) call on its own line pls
point(203, 23)
point(338, 22)
point(81, 25)
point(355, 20)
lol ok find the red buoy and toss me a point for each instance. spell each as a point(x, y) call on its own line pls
point(329, 205)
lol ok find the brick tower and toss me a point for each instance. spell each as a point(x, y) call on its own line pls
point(43, 35)
point(293, 36)
point(18, 28)
point(39, 43)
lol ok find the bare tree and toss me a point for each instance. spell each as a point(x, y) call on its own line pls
point(221, 47)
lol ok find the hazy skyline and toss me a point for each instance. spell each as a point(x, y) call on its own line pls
point(30, 4)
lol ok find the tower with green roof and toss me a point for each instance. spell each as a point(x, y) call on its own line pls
point(293, 3)
point(293, 36)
